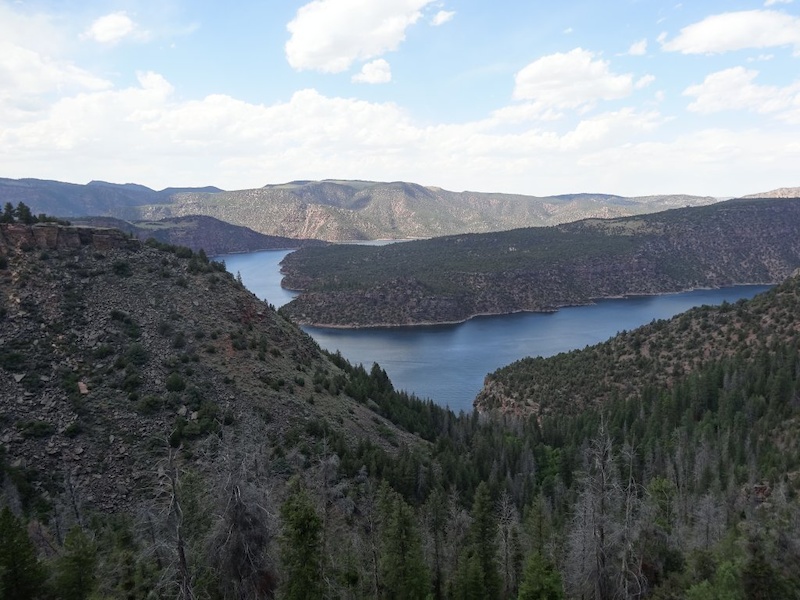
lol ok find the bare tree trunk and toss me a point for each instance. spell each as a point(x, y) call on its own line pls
point(175, 510)
point(508, 546)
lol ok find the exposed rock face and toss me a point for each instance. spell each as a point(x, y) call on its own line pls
point(47, 236)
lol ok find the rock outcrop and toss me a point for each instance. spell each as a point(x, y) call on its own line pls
point(50, 236)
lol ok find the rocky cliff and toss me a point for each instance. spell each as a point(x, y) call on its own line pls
point(48, 236)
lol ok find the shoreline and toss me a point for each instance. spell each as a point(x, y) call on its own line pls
point(519, 311)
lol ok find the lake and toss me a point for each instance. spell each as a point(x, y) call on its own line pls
point(447, 363)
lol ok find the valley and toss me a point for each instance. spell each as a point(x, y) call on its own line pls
point(160, 422)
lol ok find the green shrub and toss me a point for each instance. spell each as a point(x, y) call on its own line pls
point(122, 268)
point(149, 404)
point(175, 383)
point(102, 351)
point(35, 429)
point(73, 429)
point(136, 354)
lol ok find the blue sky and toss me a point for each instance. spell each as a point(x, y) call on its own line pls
point(633, 97)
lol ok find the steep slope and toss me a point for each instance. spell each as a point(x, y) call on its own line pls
point(114, 354)
point(454, 278)
point(654, 356)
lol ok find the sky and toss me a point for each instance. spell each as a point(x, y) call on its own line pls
point(630, 97)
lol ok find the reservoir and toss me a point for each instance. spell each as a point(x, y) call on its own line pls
point(447, 363)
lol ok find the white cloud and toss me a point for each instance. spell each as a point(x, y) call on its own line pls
point(736, 31)
point(638, 48)
point(572, 80)
point(771, 2)
point(237, 144)
point(377, 71)
point(62, 122)
point(113, 28)
point(24, 72)
point(442, 17)
point(329, 35)
point(734, 89)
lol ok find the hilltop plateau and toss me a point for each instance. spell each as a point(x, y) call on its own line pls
point(453, 278)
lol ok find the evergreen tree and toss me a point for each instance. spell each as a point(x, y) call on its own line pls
point(482, 539)
point(22, 574)
point(75, 569)
point(8, 213)
point(540, 580)
point(402, 566)
point(469, 582)
point(24, 214)
point(301, 545)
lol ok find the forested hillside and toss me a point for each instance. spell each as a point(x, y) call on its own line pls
point(655, 355)
point(165, 434)
point(539, 269)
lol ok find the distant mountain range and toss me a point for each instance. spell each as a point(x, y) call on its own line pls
point(95, 198)
point(334, 210)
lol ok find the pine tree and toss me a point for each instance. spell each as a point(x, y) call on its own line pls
point(22, 574)
point(469, 582)
point(301, 545)
point(483, 539)
point(540, 580)
point(403, 570)
point(75, 569)
point(8, 213)
point(24, 214)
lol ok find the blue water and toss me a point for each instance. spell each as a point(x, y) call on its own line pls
point(447, 363)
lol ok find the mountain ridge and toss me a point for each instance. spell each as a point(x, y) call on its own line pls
point(334, 210)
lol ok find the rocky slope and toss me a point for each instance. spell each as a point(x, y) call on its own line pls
point(452, 279)
point(334, 210)
point(115, 354)
point(786, 192)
